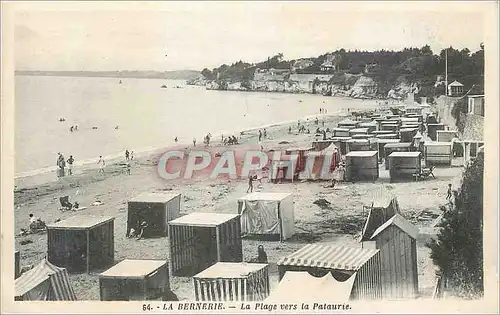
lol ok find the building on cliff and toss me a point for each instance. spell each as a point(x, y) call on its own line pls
point(330, 64)
point(455, 88)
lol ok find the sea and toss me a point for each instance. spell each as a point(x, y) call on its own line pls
point(139, 115)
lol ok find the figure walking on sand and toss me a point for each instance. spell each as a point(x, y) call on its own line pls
point(101, 164)
point(61, 163)
point(70, 165)
point(127, 155)
point(448, 194)
point(131, 155)
point(265, 133)
point(250, 183)
point(176, 140)
point(260, 135)
point(194, 142)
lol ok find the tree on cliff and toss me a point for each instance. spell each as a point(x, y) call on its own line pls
point(458, 250)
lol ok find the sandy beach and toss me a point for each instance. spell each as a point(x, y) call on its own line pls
point(340, 222)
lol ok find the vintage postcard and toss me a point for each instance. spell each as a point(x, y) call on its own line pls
point(249, 157)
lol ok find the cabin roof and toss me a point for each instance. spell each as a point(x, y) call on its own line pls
point(131, 268)
point(81, 222)
point(399, 221)
point(155, 197)
point(203, 219)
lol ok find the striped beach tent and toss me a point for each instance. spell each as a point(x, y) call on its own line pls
point(45, 282)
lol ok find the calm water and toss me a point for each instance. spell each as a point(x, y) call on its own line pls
point(147, 115)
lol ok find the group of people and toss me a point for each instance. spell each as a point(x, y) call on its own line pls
point(73, 128)
point(61, 164)
point(138, 231)
point(206, 139)
point(323, 111)
point(129, 156)
point(262, 134)
point(229, 140)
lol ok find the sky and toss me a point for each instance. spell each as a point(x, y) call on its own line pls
point(194, 35)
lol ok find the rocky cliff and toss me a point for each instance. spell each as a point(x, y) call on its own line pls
point(346, 85)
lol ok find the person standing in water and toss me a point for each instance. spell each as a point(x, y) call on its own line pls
point(127, 155)
point(101, 164)
point(70, 165)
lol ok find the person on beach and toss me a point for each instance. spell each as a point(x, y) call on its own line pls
point(128, 168)
point(194, 142)
point(250, 183)
point(76, 127)
point(290, 129)
point(262, 255)
point(323, 123)
point(71, 129)
point(61, 163)
point(448, 194)
point(260, 135)
point(127, 155)
point(316, 121)
point(131, 155)
point(70, 165)
point(265, 133)
point(176, 140)
point(101, 164)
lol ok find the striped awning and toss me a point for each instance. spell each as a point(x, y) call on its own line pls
point(60, 288)
point(329, 256)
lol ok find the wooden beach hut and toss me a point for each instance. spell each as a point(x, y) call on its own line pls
point(407, 134)
point(402, 165)
point(396, 240)
point(395, 147)
point(414, 110)
point(381, 132)
point(362, 136)
point(381, 143)
point(362, 165)
point(340, 262)
point(267, 215)
point(357, 145)
point(372, 126)
point(198, 240)
point(358, 131)
point(382, 210)
point(224, 282)
point(17, 264)
point(156, 209)
point(348, 124)
point(432, 130)
point(135, 280)
point(387, 136)
point(437, 153)
point(326, 289)
point(446, 135)
point(82, 242)
point(340, 132)
point(45, 282)
point(341, 144)
point(391, 126)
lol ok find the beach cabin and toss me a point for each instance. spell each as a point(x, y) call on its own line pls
point(82, 243)
point(341, 144)
point(326, 289)
point(390, 126)
point(325, 162)
point(198, 240)
point(402, 165)
point(362, 136)
point(437, 153)
point(362, 165)
point(267, 215)
point(357, 145)
point(446, 135)
point(372, 126)
point(396, 240)
point(340, 262)
point(156, 209)
point(381, 143)
point(407, 134)
point(381, 132)
point(395, 147)
point(358, 131)
point(348, 124)
point(388, 136)
point(224, 282)
point(413, 110)
point(319, 145)
point(135, 280)
point(17, 264)
point(432, 130)
point(340, 132)
point(45, 282)
point(409, 119)
point(382, 209)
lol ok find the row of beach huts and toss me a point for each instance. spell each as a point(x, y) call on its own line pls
point(209, 248)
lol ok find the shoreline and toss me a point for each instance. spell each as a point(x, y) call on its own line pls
point(115, 158)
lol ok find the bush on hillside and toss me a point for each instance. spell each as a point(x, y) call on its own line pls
point(458, 250)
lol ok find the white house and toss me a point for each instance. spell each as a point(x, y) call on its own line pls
point(455, 88)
